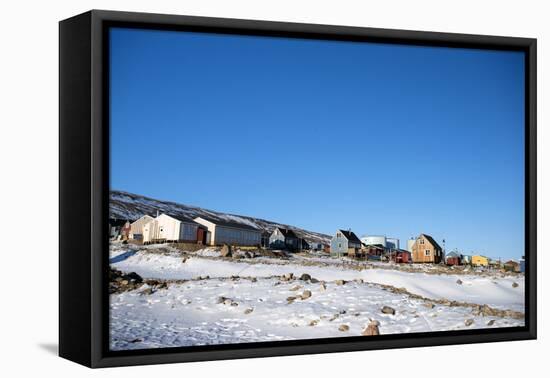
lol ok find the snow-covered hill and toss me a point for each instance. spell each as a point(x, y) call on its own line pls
point(123, 205)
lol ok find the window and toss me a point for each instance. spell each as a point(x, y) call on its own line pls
point(421, 241)
point(339, 245)
point(427, 252)
point(338, 235)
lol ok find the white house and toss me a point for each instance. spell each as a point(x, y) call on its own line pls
point(230, 232)
point(166, 228)
point(136, 228)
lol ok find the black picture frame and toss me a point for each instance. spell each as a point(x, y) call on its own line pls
point(84, 188)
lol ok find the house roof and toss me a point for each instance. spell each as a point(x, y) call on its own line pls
point(453, 254)
point(350, 236)
point(180, 218)
point(287, 233)
point(380, 246)
point(432, 241)
point(229, 223)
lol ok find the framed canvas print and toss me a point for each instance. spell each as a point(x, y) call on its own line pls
point(234, 188)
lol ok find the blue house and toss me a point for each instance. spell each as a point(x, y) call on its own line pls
point(344, 243)
point(522, 264)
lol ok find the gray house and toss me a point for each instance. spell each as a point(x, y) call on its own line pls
point(344, 243)
point(283, 238)
point(226, 231)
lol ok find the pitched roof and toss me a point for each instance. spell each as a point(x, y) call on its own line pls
point(287, 233)
point(350, 236)
point(229, 223)
point(180, 218)
point(380, 246)
point(432, 241)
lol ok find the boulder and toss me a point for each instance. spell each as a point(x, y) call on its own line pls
point(459, 282)
point(340, 282)
point(287, 277)
point(305, 277)
point(314, 280)
point(388, 310)
point(468, 322)
point(323, 287)
point(248, 310)
point(314, 322)
point(306, 294)
point(515, 284)
point(372, 329)
point(491, 322)
point(291, 299)
point(429, 305)
point(343, 328)
point(226, 251)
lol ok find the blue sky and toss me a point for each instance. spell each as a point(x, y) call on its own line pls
point(382, 139)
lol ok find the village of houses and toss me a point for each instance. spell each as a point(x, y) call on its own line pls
point(181, 281)
point(423, 249)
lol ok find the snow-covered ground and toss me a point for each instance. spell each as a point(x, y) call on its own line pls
point(188, 313)
point(494, 291)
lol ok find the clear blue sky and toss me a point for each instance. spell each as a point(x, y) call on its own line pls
point(382, 139)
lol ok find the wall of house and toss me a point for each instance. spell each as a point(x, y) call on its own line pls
point(234, 236)
point(188, 232)
point(338, 245)
point(419, 251)
point(136, 228)
point(277, 239)
point(168, 227)
point(150, 231)
point(480, 260)
point(211, 230)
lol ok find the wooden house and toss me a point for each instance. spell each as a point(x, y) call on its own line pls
point(426, 250)
point(453, 258)
point(512, 266)
point(373, 251)
point(168, 228)
point(225, 231)
point(345, 243)
point(479, 260)
point(284, 238)
point(136, 228)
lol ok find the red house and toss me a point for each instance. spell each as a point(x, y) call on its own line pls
point(453, 258)
point(401, 256)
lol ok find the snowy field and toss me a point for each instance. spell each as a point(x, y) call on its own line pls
point(203, 304)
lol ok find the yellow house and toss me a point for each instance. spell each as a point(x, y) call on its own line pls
point(480, 260)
